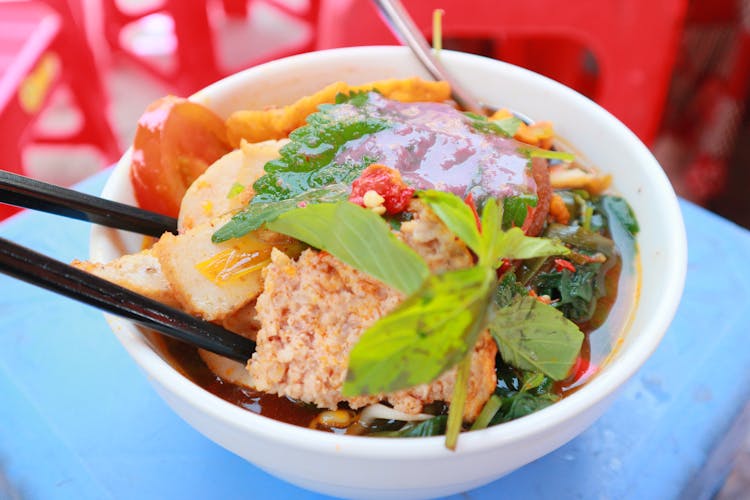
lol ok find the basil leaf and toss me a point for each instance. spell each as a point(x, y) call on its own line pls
point(423, 337)
point(513, 244)
point(432, 427)
point(537, 337)
point(256, 214)
point(455, 214)
point(358, 237)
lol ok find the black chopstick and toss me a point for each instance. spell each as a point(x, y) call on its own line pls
point(37, 269)
point(37, 195)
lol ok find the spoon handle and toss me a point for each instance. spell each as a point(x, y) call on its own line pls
point(403, 26)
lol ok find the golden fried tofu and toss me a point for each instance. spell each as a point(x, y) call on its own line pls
point(139, 272)
point(277, 123)
point(212, 280)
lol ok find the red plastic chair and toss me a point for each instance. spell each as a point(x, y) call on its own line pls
point(619, 52)
point(41, 48)
point(192, 38)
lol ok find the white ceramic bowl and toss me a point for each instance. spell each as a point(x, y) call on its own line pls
point(368, 467)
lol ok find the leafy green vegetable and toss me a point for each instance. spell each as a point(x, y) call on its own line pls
point(432, 427)
point(521, 394)
point(506, 127)
point(358, 237)
point(515, 209)
point(618, 209)
point(520, 404)
point(422, 338)
point(256, 214)
point(537, 337)
point(576, 294)
point(581, 238)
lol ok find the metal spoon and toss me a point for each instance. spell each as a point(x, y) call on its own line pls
point(403, 26)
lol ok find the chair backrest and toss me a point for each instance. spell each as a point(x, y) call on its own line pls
point(619, 52)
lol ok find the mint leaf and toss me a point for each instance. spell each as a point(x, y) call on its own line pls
point(357, 237)
point(423, 337)
point(537, 337)
point(506, 127)
point(455, 214)
point(256, 214)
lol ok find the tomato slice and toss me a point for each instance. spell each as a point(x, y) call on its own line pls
point(176, 140)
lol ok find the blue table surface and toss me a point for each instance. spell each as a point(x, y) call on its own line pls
point(79, 420)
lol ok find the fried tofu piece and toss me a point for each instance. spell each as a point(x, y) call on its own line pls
point(277, 123)
point(139, 272)
point(214, 280)
point(313, 310)
point(227, 185)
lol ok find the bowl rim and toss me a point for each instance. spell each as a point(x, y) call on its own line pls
point(599, 388)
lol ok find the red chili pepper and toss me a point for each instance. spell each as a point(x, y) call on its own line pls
point(387, 183)
point(561, 264)
point(469, 200)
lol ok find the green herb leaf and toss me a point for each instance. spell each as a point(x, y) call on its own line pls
point(423, 337)
point(506, 127)
point(432, 427)
point(235, 190)
point(256, 214)
point(455, 214)
point(513, 244)
point(537, 337)
point(357, 237)
point(520, 404)
point(575, 294)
